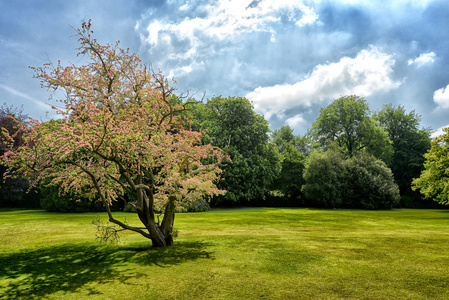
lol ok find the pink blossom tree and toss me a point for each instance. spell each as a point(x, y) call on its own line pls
point(120, 132)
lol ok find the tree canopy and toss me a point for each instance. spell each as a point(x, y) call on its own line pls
point(434, 180)
point(410, 143)
point(233, 124)
point(292, 149)
point(361, 181)
point(353, 172)
point(118, 134)
point(347, 122)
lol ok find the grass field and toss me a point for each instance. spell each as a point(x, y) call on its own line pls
point(258, 253)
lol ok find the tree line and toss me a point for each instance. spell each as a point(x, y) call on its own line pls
point(124, 121)
point(351, 157)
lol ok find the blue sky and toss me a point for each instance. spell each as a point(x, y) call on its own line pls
point(288, 57)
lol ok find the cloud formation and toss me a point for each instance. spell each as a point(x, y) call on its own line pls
point(368, 73)
point(289, 57)
point(296, 121)
point(423, 59)
point(226, 19)
point(202, 31)
point(438, 132)
point(441, 97)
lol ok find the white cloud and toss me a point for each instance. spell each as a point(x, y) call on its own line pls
point(153, 32)
point(185, 7)
point(423, 59)
point(185, 70)
point(296, 121)
point(369, 72)
point(398, 4)
point(227, 19)
point(438, 132)
point(309, 17)
point(441, 97)
point(189, 37)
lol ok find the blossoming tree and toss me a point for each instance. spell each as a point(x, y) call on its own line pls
point(119, 133)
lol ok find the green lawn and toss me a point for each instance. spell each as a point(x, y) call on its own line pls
point(231, 254)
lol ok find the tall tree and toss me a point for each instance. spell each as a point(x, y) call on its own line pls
point(291, 149)
point(410, 143)
point(348, 122)
point(232, 123)
point(119, 133)
point(434, 180)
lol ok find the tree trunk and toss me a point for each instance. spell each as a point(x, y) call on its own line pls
point(158, 237)
point(145, 212)
point(169, 220)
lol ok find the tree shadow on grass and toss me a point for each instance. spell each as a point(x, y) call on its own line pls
point(32, 274)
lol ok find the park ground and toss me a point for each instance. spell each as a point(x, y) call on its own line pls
point(251, 253)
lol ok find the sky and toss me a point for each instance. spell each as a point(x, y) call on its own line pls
point(289, 58)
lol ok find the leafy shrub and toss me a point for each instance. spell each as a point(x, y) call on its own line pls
point(370, 183)
point(198, 205)
point(323, 182)
point(128, 208)
point(362, 181)
point(53, 200)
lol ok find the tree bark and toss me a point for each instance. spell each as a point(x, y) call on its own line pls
point(145, 212)
point(169, 220)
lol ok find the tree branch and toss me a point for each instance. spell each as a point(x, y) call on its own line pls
point(111, 218)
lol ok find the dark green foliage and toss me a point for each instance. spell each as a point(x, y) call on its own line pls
point(369, 183)
point(53, 200)
point(290, 180)
point(324, 186)
point(198, 206)
point(410, 143)
point(232, 124)
point(13, 191)
point(361, 181)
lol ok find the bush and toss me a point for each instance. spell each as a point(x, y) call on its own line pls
point(53, 200)
point(129, 208)
point(14, 193)
point(198, 205)
point(323, 181)
point(370, 183)
point(362, 181)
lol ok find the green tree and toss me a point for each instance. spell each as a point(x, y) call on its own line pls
point(347, 122)
point(324, 186)
point(361, 181)
point(410, 143)
point(369, 183)
point(434, 180)
point(290, 179)
point(232, 124)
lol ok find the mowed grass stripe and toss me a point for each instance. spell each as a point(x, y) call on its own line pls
point(253, 253)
